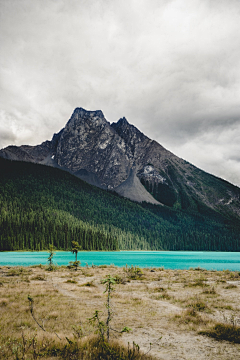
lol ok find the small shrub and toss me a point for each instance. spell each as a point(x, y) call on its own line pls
point(162, 296)
point(89, 284)
point(199, 282)
point(86, 273)
point(198, 269)
point(226, 332)
point(159, 289)
point(120, 280)
point(227, 272)
point(71, 281)
point(230, 286)
point(52, 267)
point(31, 347)
point(234, 275)
point(223, 306)
point(198, 305)
point(211, 291)
point(15, 272)
point(221, 281)
point(4, 302)
point(74, 265)
point(39, 278)
point(165, 296)
point(133, 272)
point(98, 350)
point(190, 316)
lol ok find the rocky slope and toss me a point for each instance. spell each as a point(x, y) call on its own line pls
point(105, 155)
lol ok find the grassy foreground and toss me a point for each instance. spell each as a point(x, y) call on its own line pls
point(183, 314)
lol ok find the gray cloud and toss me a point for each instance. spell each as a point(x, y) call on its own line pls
point(170, 67)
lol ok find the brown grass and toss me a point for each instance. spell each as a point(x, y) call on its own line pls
point(155, 302)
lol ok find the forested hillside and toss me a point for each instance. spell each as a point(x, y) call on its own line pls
point(41, 205)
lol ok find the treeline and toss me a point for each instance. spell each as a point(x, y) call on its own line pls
point(41, 205)
point(35, 230)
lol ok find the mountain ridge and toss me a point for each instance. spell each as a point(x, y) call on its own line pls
point(105, 155)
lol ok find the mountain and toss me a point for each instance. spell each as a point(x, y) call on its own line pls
point(40, 205)
point(119, 157)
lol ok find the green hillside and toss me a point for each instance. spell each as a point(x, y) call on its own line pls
point(41, 205)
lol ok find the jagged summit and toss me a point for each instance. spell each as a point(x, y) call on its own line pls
point(105, 155)
point(123, 121)
point(92, 117)
point(92, 113)
point(131, 135)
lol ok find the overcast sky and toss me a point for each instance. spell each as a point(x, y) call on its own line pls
point(172, 68)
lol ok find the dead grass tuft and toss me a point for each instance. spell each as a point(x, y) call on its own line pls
point(191, 316)
point(163, 296)
point(198, 305)
point(70, 281)
point(38, 278)
point(210, 291)
point(4, 302)
point(70, 349)
point(120, 279)
point(53, 315)
point(89, 284)
point(198, 282)
point(226, 332)
point(230, 286)
point(159, 289)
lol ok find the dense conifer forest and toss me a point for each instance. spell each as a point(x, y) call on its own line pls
point(40, 205)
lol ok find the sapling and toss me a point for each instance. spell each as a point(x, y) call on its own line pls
point(51, 253)
point(75, 248)
point(104, 327)
point(31, 301)
point(109, 281)
point(133, 272)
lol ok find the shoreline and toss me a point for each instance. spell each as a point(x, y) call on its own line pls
point(39, 251)
point(183, 260)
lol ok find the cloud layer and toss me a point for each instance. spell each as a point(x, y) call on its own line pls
point(172, 67)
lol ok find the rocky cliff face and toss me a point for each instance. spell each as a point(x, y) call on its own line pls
point(89, 143)
point(118, 156)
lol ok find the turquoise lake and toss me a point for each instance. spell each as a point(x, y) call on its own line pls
point(168, 259)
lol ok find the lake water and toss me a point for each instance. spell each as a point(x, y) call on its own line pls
point(168, 259)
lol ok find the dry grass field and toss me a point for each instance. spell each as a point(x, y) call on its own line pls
point(180, 314)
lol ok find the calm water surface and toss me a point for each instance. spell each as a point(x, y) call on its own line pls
point(168, 259)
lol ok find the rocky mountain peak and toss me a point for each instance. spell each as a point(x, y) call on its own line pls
point(129, 133)
point(88, 113)
point(93, 118)
point(123, 122)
